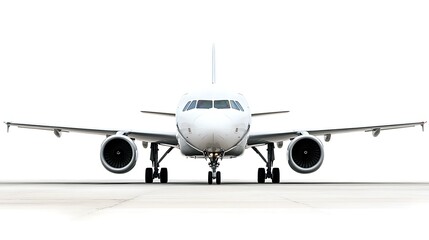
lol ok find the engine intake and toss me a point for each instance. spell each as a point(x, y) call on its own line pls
point(118, 154)
point(305, 154)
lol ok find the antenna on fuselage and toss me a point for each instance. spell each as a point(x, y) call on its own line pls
point(213, 65)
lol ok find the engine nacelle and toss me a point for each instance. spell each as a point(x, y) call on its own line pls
point(305, 154)
point(118, 154)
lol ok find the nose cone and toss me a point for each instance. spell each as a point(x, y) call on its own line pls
point(214, 132)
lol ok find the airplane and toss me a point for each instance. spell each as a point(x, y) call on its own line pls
point(213, 124)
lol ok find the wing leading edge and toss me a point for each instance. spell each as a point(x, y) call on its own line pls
point(264, 138)
point(161, 138)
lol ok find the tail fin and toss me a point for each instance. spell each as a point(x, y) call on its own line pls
point(213, 65)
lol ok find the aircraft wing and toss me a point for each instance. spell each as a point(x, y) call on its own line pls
point(161, 138)
point(264, 138)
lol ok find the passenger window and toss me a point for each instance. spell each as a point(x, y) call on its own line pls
point(192, 105)
point(204, 104)
point(239, 106)
point(234, 105)
point(186, 106)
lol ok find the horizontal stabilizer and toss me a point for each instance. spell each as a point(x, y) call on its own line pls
point(160, 113)
point(268, 113)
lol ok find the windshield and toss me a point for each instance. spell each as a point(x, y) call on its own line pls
point(217, 104)
point(204, 104)
point(221, 104)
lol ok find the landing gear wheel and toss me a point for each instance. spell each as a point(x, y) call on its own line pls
point(210, 178)
point(218, 178)
point(276, 175)
point(149, 175)
point(261, 175)
point(164, 175)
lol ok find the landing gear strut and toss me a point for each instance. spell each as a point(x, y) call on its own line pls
point(153, 172)
point(270, 172)
point(214, 164)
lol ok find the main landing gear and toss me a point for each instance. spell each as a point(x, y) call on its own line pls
point(270, 172)
point(153, 172)
point(214, 164)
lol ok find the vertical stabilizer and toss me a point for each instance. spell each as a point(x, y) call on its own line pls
point(213, 65)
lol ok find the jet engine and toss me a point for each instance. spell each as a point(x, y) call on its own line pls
point(118, 154)
point(305, 154)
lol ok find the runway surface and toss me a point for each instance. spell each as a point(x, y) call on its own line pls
point(86, 198)
point(133, 209)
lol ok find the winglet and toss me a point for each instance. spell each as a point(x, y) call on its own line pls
point(8, 126)
point(423, 126)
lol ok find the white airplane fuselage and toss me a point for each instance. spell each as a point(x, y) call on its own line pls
point(213, 121)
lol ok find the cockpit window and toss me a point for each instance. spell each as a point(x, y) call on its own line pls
point(186, 106)
point(221, 104)
point(234, 105)
point(218, 104)
point(239, 106)
point(204, 104)
point(192, 105)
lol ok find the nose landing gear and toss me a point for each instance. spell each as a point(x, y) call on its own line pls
point(214, 164)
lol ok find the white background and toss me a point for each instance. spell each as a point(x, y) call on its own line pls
point(98, 63)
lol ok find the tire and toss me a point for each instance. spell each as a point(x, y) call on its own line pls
point(149, 175)
point(261, 175)
point(276, 175)
point(210, 178)
point(218, 178)
point(164, 175)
